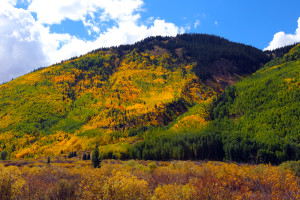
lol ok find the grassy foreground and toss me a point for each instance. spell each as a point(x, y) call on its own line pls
point(75, 179)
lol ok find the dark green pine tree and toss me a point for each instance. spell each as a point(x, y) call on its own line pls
point(3, 155)
point(95, 157)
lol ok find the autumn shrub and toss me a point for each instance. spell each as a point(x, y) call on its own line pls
point(63, 190)
point(11, 182)
point(168, 176)
point(5, 187)
point(230, 181)
point(133, 179)
point(292, 165)
point(152, 165)
point(123, 185)
point(49, 182)
point(92, 181)
point(174, 192)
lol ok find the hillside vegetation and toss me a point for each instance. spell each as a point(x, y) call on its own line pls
point(115, 96)
point(255, 120)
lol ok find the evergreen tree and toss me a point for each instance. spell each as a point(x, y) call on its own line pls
point(95, 157)
point(71, 155)
point(13, 148)
point(4, 155)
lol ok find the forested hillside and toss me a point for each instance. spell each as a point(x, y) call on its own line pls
point(115, 96)
point(255, 120)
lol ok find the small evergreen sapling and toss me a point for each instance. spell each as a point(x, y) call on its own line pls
point(95, 157)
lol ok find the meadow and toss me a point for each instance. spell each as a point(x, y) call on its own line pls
point(76, 179)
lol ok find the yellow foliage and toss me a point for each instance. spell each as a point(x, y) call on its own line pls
point(146, 180)
point(31, 78)
point(174, 192)
point(24, 152)
point(166, 95)
point(292, 83)
point(288, 80)
point(191, 121)
point(11, 182)
point(138, 107)
point(123, 185)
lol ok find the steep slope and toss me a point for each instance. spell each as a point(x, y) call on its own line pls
point(255, 120)
point(266, 107)
point(109, 95)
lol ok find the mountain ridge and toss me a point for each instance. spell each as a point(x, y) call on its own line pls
point(108, 94)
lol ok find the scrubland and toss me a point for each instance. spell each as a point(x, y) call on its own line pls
point(74, 179)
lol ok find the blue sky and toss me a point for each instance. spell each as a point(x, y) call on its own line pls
point(252, 22)
point(36, 33)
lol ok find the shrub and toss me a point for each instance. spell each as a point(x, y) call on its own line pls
point(123, 185)
point(292, 165)
point(175, 192)
point(63, 190)
point(152, 165)
point(5, 188)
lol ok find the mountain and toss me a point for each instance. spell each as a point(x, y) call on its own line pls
point(255, 120)
point(113, 96)
point(280, 52)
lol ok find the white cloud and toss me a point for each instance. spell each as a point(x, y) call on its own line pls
point(197, 23)
point(182, 30)
point(20, 52)
point(11, 2)
point(282, 39)
point(26, 43)
point(119, 10)
point(160, 27)
point(55, 11)
point(216, 23)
